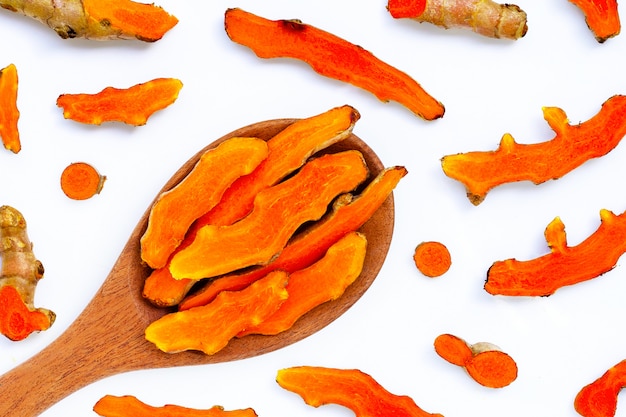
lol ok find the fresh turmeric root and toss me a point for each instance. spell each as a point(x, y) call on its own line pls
point(9, 113)
point(19, 273)
point(97, 19)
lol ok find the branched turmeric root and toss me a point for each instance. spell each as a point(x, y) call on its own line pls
point(97, 19)
point(19, 273)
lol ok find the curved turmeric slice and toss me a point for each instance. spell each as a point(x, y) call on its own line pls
point(133, 105)
point(571, 147)
point(9, 113)
point(601, 16)
point(350, 388)
point(331, 57)
point(599, 398)
point(348, 214)
point(198, 193)
point(564, 265)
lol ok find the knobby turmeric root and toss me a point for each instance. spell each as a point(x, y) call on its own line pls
point(133, 105)
point(564, 265)
point(130, 406)
point(571, 147)
point(9, 113)
point(330, 56)
point(599, 398)
point(601, 16)
point(484, 17)
point(20, 272)
point(97, 19)
point(432, 258)
point(350, 388)
point(484, 362)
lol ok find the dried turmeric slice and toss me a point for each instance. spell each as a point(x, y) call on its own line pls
point(350, 388)
point(483, 361)
point(564, 265)
point(599, 398)
point(325, 280)
point(278, 212)
point(287, 151)
point(133, 105)
point(198, 192)
point(432, 258)
point(348, 214)
point(81, 181)
point(601, 16)
point(20, 271)
point(571, 147)
point(484, 17)
point(98, 19)
point(9, 113)
point(331, 57)
point(209, 328)
point(130, 406)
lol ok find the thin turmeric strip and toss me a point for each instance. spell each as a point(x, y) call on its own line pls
point(599, 398)
point(601, 16)
point(9, 113)
point(133, 105)
point(288, 150)
point(330, 56)
point(564, 265)
point(571, 147)
point(349, 214)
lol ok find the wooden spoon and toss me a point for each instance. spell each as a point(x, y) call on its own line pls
point(108, 336)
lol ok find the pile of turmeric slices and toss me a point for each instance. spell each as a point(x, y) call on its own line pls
point(266, 219)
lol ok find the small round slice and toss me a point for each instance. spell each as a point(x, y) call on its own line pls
point(80, 181)
point(432, 259)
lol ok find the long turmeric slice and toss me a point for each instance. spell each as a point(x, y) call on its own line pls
point(601, 16)
point(278, 212)
point(209, 328)
point(348, 214)
point(9, 113)
point(97, 19)
point(599, 398)
point(331, 57)
point(133, 105)
point(564, 265)
point(325, 280)
point(288, 150)
point(198, 193)
point(130, 406)
point(350, 388)
point(571, 147)
point(484, 17)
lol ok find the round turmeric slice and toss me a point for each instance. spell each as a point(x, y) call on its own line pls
point(81, 181)
point(432, 259)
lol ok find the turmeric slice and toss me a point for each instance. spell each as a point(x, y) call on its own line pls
point(133, 105)
point(483, 361)
point(348, 214)
point(601, 16)
point(330, 56)
point(287, 151)
point(98, 19)
point(209, 328)
point(130, 406)
point(484, 17)
point(564, 265)
point(432, 258)
point(198, 192)
point(350, 388)
point(9, 113)
point(325, 280)
point(278, 212)
point(81, 181)
point(599, 398)
point(571, 147)
point(20, 271)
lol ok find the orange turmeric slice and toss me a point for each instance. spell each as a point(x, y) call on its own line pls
point(330, 56)
point(9, 113)
point(132, 105)
point(564, 265)
point(601, 16)
point(599, 398)
point(432, 259)
point(81, 181)
point(571, 147)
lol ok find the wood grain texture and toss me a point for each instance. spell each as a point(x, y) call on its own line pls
point(108, 337)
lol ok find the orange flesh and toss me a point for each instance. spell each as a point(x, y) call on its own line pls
point(81, 181)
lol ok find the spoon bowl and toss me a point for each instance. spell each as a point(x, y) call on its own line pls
point(107, 338)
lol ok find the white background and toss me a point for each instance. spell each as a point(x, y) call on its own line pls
point(489, 87)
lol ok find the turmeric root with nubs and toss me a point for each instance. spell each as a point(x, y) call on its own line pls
point(19, 273)
point(484, 17)
point(97, 19)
